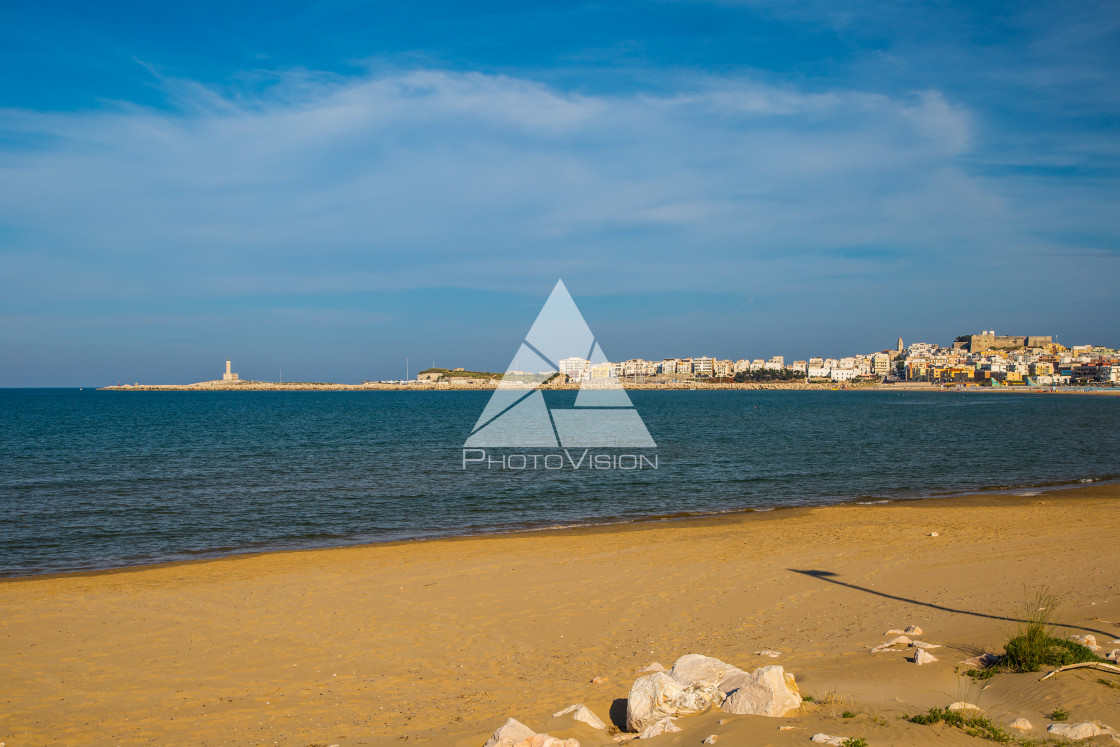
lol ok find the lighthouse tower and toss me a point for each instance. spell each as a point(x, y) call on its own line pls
point(228, 376)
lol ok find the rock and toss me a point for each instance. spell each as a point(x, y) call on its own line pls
point(711, 739)
point(652, 667)
point(768, 652)
point(924, 657)
point(923, 644)
point(600, 680)
point(960, 705)
point(983, 661)
point(664, 726)
point(1084, 730)
point(933, 534)
point(1114, 654)
point(513, 733)
point(769, 691)
point(656, 696)
point(913, 630)
point(696, 669)
point(1089, 641)
point(897, 640)
point(509, 734)
point(1021, 724)
point(582, 713)
point(823, 738)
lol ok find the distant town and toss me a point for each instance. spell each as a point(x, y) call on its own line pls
point(984, 359)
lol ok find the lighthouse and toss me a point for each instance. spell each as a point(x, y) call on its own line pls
point(228, 375)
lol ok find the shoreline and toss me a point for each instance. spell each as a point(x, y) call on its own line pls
point(605, 525)
point(440, 642)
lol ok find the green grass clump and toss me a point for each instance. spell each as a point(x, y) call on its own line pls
point(848, 714)
point(854, 742)
point(1059, 714)
point(1109, 683)
point(807, 699)
point(1035, 645)
point(972, 724)
point(982, 674)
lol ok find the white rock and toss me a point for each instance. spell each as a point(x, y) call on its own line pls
point(896, 641)
point(982, 661)
point(924, 657)
point(1114, 654)
point(711, 739)
point(913, 630)
point(960, 705)
point(509, 734)
point(768, 652)
point(664, 726)
point(651, 668)
point(769, 691)
point(1021, 724)
point(896, 632)
point(654, 696)
point(513, 733)
point(933, 534)
point(582, 713)
point(1084, 730)
point(923, 644)
point(823, 738)
point(696, 669)
point(1086, 640)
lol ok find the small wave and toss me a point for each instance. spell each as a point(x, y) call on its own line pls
point(871, 503)
point(1029, 493)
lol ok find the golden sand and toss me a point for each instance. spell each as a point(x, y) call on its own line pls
point(438, 642)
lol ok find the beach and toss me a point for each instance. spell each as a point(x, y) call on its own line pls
point(440, 641)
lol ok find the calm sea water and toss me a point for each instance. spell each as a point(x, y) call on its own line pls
point(94, 479)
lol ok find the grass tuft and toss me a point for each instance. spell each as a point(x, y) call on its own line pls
point(973, 724)
point(1035, 645)
point(1059, 714)
point(854, 742)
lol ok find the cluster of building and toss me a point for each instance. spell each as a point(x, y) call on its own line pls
point(984, 359)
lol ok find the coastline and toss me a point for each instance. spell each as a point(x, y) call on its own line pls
point(441, 640)
point(264, 386)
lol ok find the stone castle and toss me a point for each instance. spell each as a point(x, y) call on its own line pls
point(989, 340)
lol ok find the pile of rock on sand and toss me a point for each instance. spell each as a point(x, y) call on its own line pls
point(657, 698)
point(697, 683)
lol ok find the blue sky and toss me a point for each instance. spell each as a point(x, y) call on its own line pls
point(328, 188)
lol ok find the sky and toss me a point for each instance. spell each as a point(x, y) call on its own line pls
point(325, 191)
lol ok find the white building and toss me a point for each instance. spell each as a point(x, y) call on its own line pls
point(576, 369)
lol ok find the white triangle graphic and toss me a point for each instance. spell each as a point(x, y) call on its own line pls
point(516, 414)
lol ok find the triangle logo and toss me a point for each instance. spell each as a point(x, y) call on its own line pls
point(517, 415)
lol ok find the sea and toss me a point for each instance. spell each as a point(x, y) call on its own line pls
point(97, 479)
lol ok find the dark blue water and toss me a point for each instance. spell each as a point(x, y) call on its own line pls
point(94, 479)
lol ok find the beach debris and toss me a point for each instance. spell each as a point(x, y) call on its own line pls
point(983, 661)
point(913, 630)
point(789, 728)
point(921, 656)
point(697, 669)
point(654, 666)
point(896, 641)
point(1089, 641)
point(822, 738)
point(933, 534)
point(923, 644)
point(894, 632)
point(1021, 724)
point(664, 726)
point(600, 680)
point(655, 696)
point(960, 705)
point(1081, 665)
point(768, 652)
point(768, 691)
point(1084, 730)
point(580, 712)
point(513, 733)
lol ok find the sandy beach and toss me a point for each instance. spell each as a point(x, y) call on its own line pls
point(439, 642)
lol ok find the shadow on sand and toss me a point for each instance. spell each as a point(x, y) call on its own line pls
point(832, 578)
